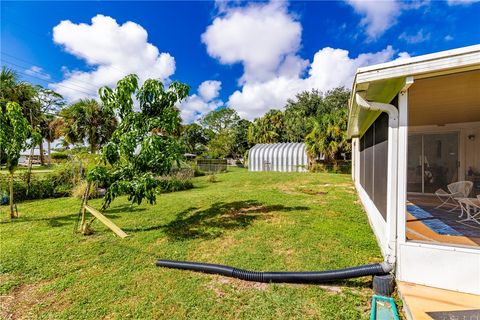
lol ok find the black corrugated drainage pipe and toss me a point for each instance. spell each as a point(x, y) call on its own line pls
point(286, 277)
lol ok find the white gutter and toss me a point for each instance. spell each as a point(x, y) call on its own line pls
point(392, 111)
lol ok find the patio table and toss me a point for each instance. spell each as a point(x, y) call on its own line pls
point(471, 207)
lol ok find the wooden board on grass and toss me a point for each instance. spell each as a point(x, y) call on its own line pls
point(112, 226)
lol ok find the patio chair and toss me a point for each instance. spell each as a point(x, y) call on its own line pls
point(471, 207)
point(460, 189)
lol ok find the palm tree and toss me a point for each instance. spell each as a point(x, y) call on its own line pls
point(87, 120)
point(24, 94)
point(268, 129)
point(51, 131)
point(18, 91)
point(49, 103)
point(328, 136)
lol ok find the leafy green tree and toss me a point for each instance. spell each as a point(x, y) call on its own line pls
point(221, 124)
point(36, 102)
point(14, 133)
point(328, 136)
point(220, 120)
point(88, 120)
point(24, 94)
point(241, 144)
point(268, 129)
point(49, 103)
point(335, 99)
point(300, 113)
point(195, 138)
point(145, 144)
point(222, 143)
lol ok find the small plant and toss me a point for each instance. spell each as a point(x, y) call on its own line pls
point(212, 178)
point(79, 190)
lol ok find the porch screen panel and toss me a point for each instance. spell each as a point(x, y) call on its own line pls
point(369, 159)
point(361, 160)
point(374, 163)
point(381, 164)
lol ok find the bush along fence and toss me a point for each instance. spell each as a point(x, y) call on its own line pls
point(68, 180)
point(212, 165)
point(344, 166)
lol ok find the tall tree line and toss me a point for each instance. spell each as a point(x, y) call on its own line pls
point(316, 118)
point(319, 120)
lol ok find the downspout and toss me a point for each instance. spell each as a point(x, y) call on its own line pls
point(392, 111)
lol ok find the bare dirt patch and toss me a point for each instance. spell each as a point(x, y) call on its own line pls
point(219, 285)
point(23, 301)
point(18, 303)
point(312, 191)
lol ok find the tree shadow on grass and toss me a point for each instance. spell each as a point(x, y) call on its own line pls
point(57, 221)
point(194, 223)
point(125, 208)
point(62, 220)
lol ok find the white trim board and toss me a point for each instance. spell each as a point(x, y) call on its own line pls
point(430, 63)
point(438, 266)
point(378, 225)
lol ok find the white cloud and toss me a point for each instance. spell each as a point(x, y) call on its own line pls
point(448, 37)
point(38, 72)
point(197, 105)
point(420, 36)
point(403, 55)
point(378, 16)
point(112, 50)
point(209, 89)
point(330, 68)
point(263, 37)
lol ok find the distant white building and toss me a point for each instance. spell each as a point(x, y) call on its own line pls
point(25, 156)
point(283, 157)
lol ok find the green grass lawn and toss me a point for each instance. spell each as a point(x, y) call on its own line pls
point(259, 221)
point(36, 170)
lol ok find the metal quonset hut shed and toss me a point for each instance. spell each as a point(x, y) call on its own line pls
point(282, 157)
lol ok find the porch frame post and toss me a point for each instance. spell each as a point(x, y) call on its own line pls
point(402, 167)
point(392, 193)
point(392, 172)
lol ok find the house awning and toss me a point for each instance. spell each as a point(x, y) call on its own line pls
point(382, 82)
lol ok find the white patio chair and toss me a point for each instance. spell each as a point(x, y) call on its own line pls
point(471, 207)
point(460, 189)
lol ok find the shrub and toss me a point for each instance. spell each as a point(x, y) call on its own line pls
point(68, 180)
point(79, 190)
point(39, 189)
point(53, 185)
point(172, 185)
point(212, 178)
point(178, 180)
point(59, 156)
point(341, 167)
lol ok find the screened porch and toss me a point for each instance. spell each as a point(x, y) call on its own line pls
point(443, 170)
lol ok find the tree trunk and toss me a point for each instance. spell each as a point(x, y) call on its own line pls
point(42, 158)
point(83, 226)
point(49, 153)
point(29, 171)
point(12, 212)
point(93, 148)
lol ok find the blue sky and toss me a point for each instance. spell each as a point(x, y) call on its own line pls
point(248, 56)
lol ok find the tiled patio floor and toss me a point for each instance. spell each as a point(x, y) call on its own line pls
point(422, 302)
point(426, 223)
